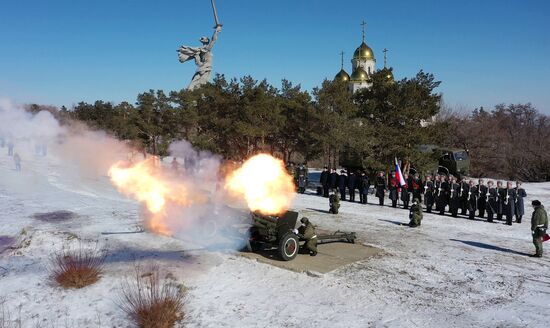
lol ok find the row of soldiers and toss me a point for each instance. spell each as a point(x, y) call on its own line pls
point(500, 201)
point(346, 183)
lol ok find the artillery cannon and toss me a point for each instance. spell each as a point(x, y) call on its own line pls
point(268, 232)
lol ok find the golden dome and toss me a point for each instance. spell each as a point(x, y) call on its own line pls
point(342, 76)
point(363, 52)
point(359, 75)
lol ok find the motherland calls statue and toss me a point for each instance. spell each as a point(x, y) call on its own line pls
point(202, 55)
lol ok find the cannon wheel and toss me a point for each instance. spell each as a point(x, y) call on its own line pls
point(289, 246)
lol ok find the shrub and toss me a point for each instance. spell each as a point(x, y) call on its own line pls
point(150, 302)
point(77, 268)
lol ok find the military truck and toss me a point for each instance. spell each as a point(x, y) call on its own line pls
point(449, 161)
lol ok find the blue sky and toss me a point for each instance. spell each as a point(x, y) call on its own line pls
point(61, 52)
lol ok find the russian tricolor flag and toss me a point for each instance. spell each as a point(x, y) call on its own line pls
point(399, 174)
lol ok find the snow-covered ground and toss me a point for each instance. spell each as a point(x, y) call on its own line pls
point(451, 272)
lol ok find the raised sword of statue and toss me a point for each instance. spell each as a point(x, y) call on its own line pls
point(202, 55)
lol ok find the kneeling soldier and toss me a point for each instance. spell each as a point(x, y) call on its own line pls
point(334, 202)
point(539, 224)
point(415, 214)
point(307, 232)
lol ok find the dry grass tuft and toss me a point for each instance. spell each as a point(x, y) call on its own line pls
point(152, 303)
point(77, 268)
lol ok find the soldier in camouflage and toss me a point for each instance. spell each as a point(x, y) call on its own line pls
point(539, 224)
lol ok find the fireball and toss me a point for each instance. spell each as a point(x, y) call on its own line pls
point(264, 184)
point(146, 183)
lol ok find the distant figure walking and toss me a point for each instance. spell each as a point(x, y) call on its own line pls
point(17, 161)
point(10, 148)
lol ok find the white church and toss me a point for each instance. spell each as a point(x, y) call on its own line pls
point(363, 65)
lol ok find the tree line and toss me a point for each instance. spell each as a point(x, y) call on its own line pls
point(237, 118)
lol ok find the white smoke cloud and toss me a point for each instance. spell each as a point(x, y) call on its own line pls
point(89, 153)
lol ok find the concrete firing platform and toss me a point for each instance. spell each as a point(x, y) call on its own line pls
point(330, 256)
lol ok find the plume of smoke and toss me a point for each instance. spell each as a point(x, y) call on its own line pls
point(211, 222)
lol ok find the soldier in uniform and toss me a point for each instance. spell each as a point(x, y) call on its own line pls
point(364, 185)
point(405, 191)
point(443, 195)
point(394, 189)
point(436, 191)
point(520, 208)
point(333, 178)
point(509, 203)
point(324, 180)
point(539, 224)
point(307, 232)
point(415, 214)
point(334, 201)
point(342, 184)
point(380, 187)
point(302, 183)
point(352, 185)
point(481, 198)
point(429, 198)
point(492, 201)
point(416, 187)
point(454, 196)
point(501, 194)
point(463, 194)
point(471, 199)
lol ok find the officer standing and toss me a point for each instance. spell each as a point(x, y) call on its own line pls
point(364, 185)
point(405, 191)
point(501, 195)
point(380, 187)
point(509, 203)
point(444, 193)
point(342, 183)
point(393, 187)
point(429, 193)
point(471, 199)
point(333, 178)
point(539, 224)
point(416, 187)
point(436, 191)
point(491, 201)
point(352, 185)
point(463, 194)
point(481, 198)
point(454, 197)
point(520, 208)
point(324, 180)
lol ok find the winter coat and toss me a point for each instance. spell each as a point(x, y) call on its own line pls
point(405, 193)
point(324, 180)
point(508, 202)
point(520, 207)
point(352, 181)
point(380, 186)
point(429, 198)
point(481, 197)
point(471, 198)
point(539, 219)
point(342, 181)
point(333, 179)
point(364, 185)
point(394, 185)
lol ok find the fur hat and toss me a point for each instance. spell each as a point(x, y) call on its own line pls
point(536, 202)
